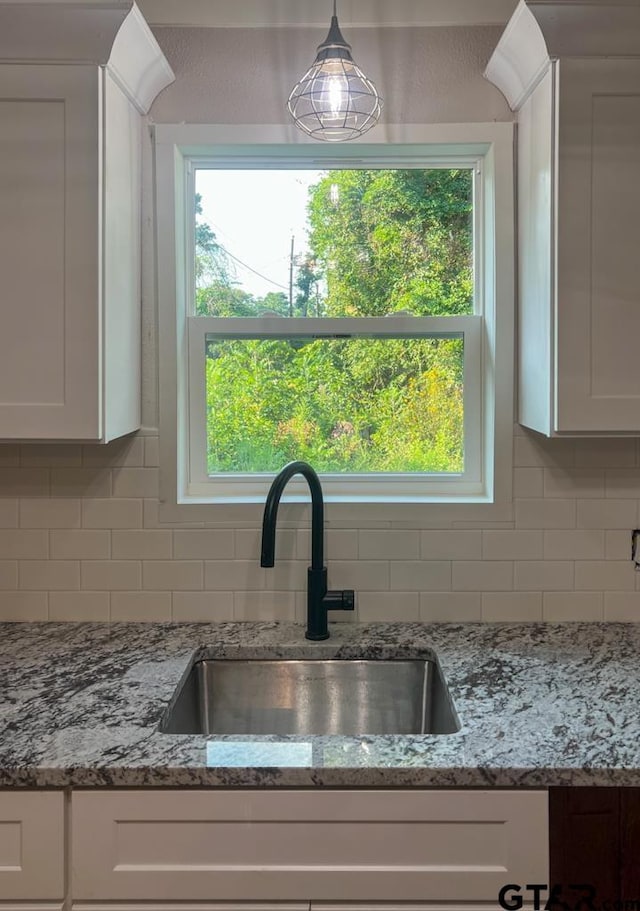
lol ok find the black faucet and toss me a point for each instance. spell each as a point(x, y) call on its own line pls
point(319, 600)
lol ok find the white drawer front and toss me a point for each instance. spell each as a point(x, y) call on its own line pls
point(31, 845)
point(383, 846)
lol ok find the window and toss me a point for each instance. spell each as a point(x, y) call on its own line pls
point(338, 306)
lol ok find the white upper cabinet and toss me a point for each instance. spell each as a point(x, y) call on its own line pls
point(74, 84)
point(571, 71)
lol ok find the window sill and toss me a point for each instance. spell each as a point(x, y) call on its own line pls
point(378, 513)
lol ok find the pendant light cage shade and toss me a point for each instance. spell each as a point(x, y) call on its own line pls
point(334, 101)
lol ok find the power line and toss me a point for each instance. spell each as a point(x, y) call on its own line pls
point(255, 271)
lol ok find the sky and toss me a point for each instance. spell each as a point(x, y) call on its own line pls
point(254, 214)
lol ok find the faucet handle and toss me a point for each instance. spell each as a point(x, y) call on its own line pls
point(340, 600)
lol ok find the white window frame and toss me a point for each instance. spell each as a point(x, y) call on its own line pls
point(484, 492)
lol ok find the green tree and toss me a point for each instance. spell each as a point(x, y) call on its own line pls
point(308, 300)
point(392, 240)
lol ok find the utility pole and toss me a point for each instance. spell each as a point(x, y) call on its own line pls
point(291, 277)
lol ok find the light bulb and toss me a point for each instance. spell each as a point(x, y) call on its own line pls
point(337, 97)
point(334, 101)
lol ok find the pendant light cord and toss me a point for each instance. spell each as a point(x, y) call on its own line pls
point(334, 7)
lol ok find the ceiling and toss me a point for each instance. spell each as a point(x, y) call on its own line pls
point(355, 13)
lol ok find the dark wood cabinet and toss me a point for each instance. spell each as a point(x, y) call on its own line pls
point(594, 840)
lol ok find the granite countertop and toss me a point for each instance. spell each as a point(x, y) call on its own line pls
point(539, 705)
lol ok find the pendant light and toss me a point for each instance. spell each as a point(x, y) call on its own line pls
point(334, 101)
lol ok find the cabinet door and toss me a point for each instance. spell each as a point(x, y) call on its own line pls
point(595, 839)
point(598, 232)
point(584, 841)
point(31, 846)
point(49, 252)
point(630, 844)
point(296, 846)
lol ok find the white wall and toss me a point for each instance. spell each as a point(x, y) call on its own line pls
point(79, 537)
point(245, 75)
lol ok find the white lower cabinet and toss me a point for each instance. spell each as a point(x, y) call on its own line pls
point(292, 848)
point(32, 850)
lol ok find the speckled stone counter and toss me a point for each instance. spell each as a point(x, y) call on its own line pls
point(540, 705)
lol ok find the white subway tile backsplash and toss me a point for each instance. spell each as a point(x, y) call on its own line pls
point(420, 575)
point(573, 482)
point(151, 452)
point(50, 455)
point(288, 575)
point(450, 607)
point(80, 538)
point(114, 513)
point(20, 543)
point(126, 452)
point(532, 450)
point(600, 575)
point(24, 482)
point(234, 575)
point(48, 575)
point(512, 545)
point(82, 605)
point(264, 605)
point(551, 513)
point(80, 482)
point(375, 607)
point(360, 575)
point(151, 517)
point(9, 575)
point(24, 607)
point(248, 542)
point(528, 482)
point(79, 544)
point(110, 575)
point(50, 513)
point(607, 514)
point(603, 453)
point(574, 544)
point(386, 544)
point(135, 482)
point(451, 545)
point(559, 607)
point(622, 607)
point(511, 607)
point(623, 483)
point(203, 544)
point(146, 606)
point(172, 575)
point(141, 544)
point(202, 607)
point(9, 513)
point(617, 545)
point(543, 575)
point(478, 575)
point(342, 544)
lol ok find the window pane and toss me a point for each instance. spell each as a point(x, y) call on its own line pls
point(346, 242)
point(344, 405)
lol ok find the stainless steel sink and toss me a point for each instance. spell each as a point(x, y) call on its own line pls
point(312, 697)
